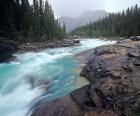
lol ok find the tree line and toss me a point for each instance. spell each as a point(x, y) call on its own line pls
point(121, 24)
point(22, 21)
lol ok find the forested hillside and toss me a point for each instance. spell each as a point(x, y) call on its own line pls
point(122, 24)
point(86, 17)
point(21, 21)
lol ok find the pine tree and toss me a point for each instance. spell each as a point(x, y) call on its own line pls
point(124, 24)
point(41, 15)
point(64, 29)
point(7, 20)
point(90, 29)
point(36, 22)
point(19, 19)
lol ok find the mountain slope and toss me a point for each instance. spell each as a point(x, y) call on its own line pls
point(85, 18)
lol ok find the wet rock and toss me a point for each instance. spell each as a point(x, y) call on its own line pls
point(76, 41)
point(84, 56)
point(64, 106)
point(135, 38)
point(65, 45)
point(37, 46)
point(7, 49)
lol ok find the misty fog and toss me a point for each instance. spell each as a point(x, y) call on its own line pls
point(75, 8)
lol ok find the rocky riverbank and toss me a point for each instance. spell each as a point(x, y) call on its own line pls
point(8, 47)
point(37, 46)
point(114, 89)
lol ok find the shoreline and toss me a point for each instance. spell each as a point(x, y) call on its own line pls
point(38, 46)
point(84, 55)
point(8, 47)
point(104, 71)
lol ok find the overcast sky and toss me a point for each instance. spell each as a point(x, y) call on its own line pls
point(76, 7)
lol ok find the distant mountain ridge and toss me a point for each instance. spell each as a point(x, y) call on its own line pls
point(85, 18)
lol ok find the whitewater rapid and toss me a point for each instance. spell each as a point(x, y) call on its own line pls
point(37, 77)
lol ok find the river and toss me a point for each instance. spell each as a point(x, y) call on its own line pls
point(38, 77)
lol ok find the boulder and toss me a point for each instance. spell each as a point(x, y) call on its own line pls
point(76, 41)
point(135, 38)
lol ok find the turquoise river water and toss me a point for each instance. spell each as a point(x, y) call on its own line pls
point(37, 77)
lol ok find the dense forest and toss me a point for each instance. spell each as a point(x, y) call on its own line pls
point(122, 24)
point(22, 21)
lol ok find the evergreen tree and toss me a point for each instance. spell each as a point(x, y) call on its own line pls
point(7, 20)
point(36, 22)
point(64, 29)
point(124, 24)
point(90, 30)
point(19, 19)
point(41, 15)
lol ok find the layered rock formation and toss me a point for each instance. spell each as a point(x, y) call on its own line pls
point(114, 89)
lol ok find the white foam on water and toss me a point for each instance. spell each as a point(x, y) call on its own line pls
point(90, 44)
point(16, 94)
point(17, 102)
